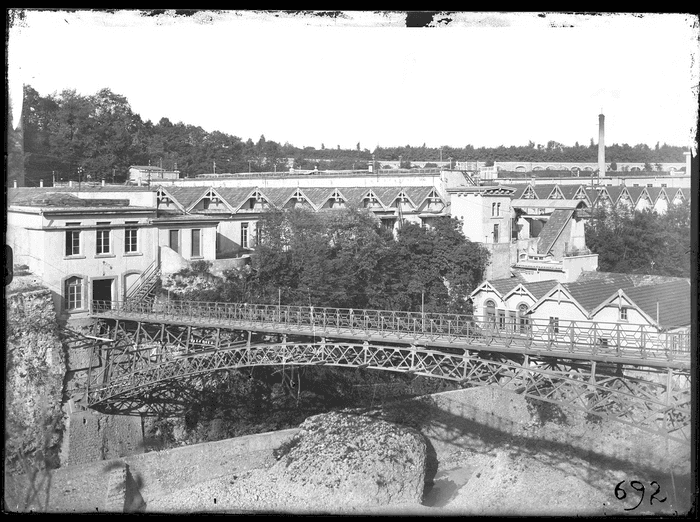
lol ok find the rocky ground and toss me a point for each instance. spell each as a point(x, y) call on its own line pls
point(536, 469)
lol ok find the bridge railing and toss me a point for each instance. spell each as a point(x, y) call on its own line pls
point(596, 338)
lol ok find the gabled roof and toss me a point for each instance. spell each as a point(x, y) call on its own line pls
point(557, 290)
point(526, 192)
point(214, 193)
point(185, 196)
point(673, 194)
point(653, 193)
point(635, 193)
point(552, 230)
point(318, 195)
point(418, 195)
point(278, 196)
point(536, 289)
point(672, 298)
point(543, 191)
point(666, 305)
point(387, 195)
point(592, 194)
point(591, 293)
point(236, 197)
point(614, 193)
point(499, 286)
point(556, 193)
point(569, 191)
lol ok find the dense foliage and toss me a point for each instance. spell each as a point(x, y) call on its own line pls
point(345, 258)
point(96, 137)
point(642, 242)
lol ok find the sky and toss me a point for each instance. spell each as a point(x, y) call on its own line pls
point(483, 79)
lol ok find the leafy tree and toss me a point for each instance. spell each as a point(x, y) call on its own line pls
point(642, 242)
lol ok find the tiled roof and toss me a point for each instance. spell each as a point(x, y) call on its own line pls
point(614, 193)
point(540, 288)
point(418, 194)
point(235, 196)
point(592, 194)
point(635, 193)
point(551, 230)
point(23, 193)
point(186, 196)
point(654, 193)
point(64, 200)
point(590, 294)
point(569, 191)
point(505, 285)
point(673, 300)
point(520, 190)
point(543, 191)
point(628, 280)
point(318, 195)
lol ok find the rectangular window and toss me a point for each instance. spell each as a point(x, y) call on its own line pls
point(502, 319)
point(131, 243)
point(554, 323)
point(72, 240)
point(102, 242)
point(623, 314)
point(244, 235)
point(74, 293)
point(174, 240)
point(495, 233)
point(196, 242)
point(524, 323)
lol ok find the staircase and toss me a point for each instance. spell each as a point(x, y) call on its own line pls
point(143, 289)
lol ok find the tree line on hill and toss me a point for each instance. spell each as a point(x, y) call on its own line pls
point(69, 136)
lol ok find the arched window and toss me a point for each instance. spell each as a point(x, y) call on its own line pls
point(523, 318)
point(73, 293)
point(490, 311)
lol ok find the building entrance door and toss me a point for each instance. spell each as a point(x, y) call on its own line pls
point(102, 293)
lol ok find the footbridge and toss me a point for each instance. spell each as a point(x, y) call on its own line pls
point(148, 358)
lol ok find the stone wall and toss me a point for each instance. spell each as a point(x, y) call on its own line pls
point(93, 436)
point(97, 486)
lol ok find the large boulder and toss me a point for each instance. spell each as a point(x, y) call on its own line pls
point(339, 462)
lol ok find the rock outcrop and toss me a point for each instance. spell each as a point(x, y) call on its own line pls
point(339, 463)
point(34, 366)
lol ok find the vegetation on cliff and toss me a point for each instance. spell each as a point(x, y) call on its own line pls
point(34, 373)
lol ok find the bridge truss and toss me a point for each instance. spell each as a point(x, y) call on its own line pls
point(155, 367)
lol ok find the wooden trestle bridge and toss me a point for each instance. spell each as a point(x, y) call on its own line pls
point(147, 358)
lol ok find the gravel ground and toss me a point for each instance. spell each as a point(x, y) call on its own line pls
point(512, 478)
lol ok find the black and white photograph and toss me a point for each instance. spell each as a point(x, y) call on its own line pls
point(377, 263)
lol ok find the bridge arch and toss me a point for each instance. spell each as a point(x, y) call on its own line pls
point(146, 385)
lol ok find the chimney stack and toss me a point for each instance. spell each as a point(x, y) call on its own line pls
point(601, 145)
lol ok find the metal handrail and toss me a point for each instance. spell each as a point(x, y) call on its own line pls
point(582, 337)
point(143, 278)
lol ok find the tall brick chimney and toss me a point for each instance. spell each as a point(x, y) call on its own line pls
point(601, 145)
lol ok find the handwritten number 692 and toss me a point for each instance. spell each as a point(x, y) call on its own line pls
point(621, 494)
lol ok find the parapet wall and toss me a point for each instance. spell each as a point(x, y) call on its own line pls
point(91, 488)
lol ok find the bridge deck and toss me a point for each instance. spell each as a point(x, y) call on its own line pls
point(612, 342)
